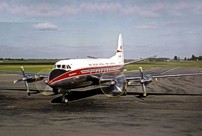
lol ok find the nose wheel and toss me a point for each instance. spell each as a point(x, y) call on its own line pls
point(65, 97)
point(66, 100)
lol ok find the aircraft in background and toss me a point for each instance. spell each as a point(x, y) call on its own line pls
point(78, 73)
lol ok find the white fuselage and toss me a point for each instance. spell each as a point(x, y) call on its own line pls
point(76, 73)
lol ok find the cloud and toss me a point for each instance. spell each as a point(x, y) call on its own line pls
point(152, 25)
point(184, 6)
point(45, 26)
point(61, 9)
point(134, 10)
point(100, 7)
point(50, 10)
point(167, 24)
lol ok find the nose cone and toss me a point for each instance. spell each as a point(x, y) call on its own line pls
point(54, 74)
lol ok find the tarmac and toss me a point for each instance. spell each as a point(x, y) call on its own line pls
point(173, 107)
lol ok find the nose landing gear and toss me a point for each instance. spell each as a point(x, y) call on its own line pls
point(65, 97)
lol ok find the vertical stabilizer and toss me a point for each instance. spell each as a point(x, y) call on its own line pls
point(119, 56)
point(120, 44)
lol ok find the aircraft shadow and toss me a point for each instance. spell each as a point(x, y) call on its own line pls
point(135, 93)
point(77, 95)
point(140, 95)
point(32, 91)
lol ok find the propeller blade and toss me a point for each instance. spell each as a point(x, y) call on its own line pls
point(141, 73)
point(144, 90)
point(23, 71)
point(117, 89)
point(41, 83)
point(19, 80)
point(25, 79)
point(113, 84)
point(27, 86)
point(143, 80)
point(36, 77)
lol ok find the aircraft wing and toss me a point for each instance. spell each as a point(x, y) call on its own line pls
point(176, 75)
point(149, 77)
point(135, 61)
point(133, 78)
point(11, 72)
point(146, 79)
point(138, 78)
point(21, 73)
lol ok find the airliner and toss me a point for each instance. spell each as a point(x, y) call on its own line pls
point(78, 73)
point(81, 72)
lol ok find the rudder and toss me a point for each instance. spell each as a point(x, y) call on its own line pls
point(119, 56)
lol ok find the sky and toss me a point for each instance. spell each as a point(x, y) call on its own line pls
point(59, 29)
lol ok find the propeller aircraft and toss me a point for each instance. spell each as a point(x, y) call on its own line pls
point(79, 73)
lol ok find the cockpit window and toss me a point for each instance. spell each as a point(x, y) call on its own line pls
point(58, 66)
point(63, 66)
point(68, 67)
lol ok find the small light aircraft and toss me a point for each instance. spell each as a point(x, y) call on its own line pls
point(78, 73)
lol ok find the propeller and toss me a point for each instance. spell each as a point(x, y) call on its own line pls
point(113, 84)
point(144, 80)
point(25, 79)
point(30, 79)
point(41, 85)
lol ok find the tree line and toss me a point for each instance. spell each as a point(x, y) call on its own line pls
point(193, 57)
point(10, 59)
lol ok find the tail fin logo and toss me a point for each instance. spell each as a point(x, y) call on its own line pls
point(121, 49)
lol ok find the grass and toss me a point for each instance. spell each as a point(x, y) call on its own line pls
point(33, 66)
point(28, 68)
point(36, 66)
point(28, 62)
point(147, 65)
